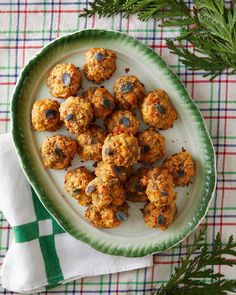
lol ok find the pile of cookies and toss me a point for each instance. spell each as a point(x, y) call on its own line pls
point(107, 190)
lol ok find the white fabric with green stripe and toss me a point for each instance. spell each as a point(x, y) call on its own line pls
point(42, 255)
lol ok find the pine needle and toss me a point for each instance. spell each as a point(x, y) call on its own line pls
point(210, 28)
point(195, 275)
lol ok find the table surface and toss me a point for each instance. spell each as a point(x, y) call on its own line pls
point(27, 26)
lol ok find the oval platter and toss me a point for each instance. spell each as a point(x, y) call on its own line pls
point(133, 238)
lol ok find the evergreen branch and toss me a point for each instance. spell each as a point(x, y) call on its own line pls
point(145, 9)
point(178, 22)
point(210, 28)
point(214, 38)
point(210, 65)
point(195, 275)
point(104, 8)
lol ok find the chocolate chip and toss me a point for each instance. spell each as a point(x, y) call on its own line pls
point(181, 173)
point(106, 103)
point(59, 152)
point(65, 79)
point(164, 194)
point(108, 151)
point(145, 149)
point(98, 56)
point(50, 113)
point(121, 216)
point(118, 170)
point(125, 121)
point(69, 117)
point(161, 219)
point(95, 164)
point(160, 108)
point(93, 140)
point(139, 188)
point(91, 188)
point(127, 87)
point(76, 191)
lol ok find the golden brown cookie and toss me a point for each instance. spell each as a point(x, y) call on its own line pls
point(90, 143)
point(105, 191)
point(128, 92)
point(104, 169)
point(57, 151)
point(100, 64)
point(153, 173)
point(160, 190)
point(64, 80)
point(135, 188)
point(108, 217)
point(76, 114)
point(181, 167)
point(159, 217)
point(75, 183)
point(157, 110)
point(152, 145)
point(45, 115)
point(121, 150)
point(101, 100)
point(122, 121)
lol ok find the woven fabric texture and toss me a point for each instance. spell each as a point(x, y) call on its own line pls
point(27, 26)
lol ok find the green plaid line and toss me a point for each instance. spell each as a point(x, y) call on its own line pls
point(31, 231)
point(47, 244)
point(51, 261)
point(26, 232)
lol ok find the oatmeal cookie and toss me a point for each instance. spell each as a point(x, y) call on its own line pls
point(45, 115)
point(121, 150)
point(105, 191)
point(122, 121)
point(75, 183)
point(100, 64)
point(76, 114)
point(181, 167)
point(157, 110)
point(160, 190)
point(152, 145)
point(135, 187)
point(104, 169)
point(90, 143)
point(128, 92)
point(108, 217)
point(159, 217)
point(64, 80)
point(101, 100)
point(57, 151)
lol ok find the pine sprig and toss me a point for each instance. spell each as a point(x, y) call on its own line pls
point(214, 37)
point(104, 8)
point(210, 28)
point(145, 9)
point(209, 64)
point(195, 274)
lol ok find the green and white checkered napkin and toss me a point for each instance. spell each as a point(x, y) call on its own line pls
point(42, 255)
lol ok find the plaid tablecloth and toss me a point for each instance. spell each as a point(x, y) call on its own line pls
point(26, 26)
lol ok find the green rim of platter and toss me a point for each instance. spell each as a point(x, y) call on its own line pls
point(19, 140)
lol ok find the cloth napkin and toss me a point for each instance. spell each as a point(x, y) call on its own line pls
point(42, 255)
